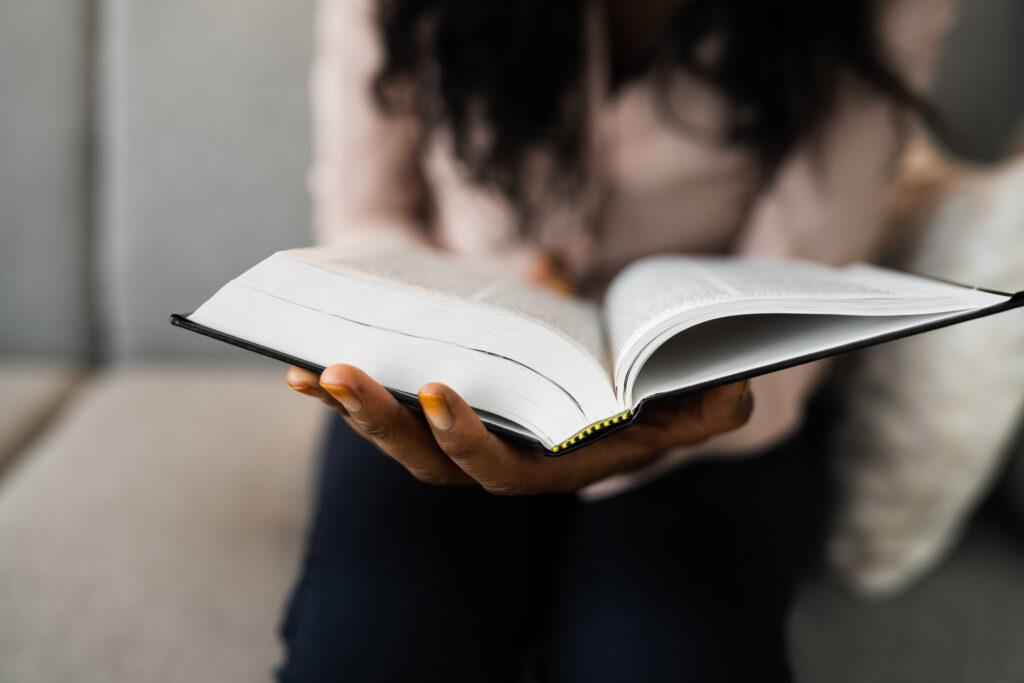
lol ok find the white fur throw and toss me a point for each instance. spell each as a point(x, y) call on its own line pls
point(929, 418)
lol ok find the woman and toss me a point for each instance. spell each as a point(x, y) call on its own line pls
point(562, 141)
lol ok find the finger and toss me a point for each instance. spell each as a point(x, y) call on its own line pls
point(308, 384)
point(548, 271)
point(298, 378)
point(393, 428)
point(724, 408)
point(496, 466)
point(542, 268)
point(559, 285)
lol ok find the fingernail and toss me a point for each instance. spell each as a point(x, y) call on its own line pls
point(437, 412)
point(346, 397)
point(746, 391)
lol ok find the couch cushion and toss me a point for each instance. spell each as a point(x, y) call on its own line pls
point(206, 148)
point(44, 57)
point(153, 533)
point(962, 624)
point(927, 421)
point(31, 390)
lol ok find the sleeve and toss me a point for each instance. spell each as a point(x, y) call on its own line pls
point(365, 180)
point(828, 201)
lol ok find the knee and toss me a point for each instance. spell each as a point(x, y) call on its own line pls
point(362, 629)
point(619, 641)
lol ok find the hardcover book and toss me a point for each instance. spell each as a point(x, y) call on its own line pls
point(562, 371)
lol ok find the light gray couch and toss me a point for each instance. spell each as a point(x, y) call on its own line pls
point(154, 484)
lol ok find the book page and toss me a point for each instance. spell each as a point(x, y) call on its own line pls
point(651, 289)
point(729, 346)
point(425, 271)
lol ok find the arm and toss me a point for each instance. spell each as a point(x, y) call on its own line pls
point(365, 179)
point(829, 200)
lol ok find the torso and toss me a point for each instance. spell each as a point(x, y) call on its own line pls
point(652, 186)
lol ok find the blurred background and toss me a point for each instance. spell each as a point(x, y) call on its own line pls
point(152, 483)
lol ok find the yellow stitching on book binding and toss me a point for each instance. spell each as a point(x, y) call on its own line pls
point(583, 434)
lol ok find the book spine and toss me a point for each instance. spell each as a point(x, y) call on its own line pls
point(593, 429)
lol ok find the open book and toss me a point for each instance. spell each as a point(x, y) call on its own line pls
point(562, 371)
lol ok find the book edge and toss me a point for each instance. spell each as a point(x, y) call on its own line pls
point(603, 428)
point(181, 320)
point(1015, 300)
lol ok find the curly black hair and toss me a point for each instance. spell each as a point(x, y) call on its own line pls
point(516, 67)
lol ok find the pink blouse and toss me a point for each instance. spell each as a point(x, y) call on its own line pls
point(651, 188)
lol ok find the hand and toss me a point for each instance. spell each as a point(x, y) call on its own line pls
point(452, 446)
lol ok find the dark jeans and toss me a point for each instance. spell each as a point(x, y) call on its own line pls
point(688, 578)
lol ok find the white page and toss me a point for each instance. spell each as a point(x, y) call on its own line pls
point(426, 271)
point(417, 292)
point(656, 289)
point(728, 346)
point(501, 389)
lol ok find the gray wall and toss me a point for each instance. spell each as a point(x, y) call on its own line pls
point(44, 83)
point(206, 145)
